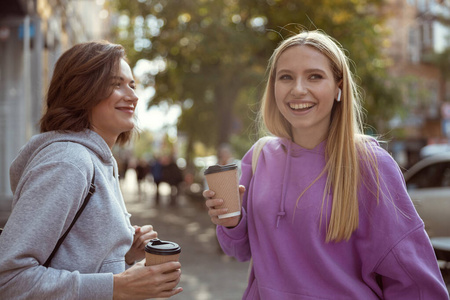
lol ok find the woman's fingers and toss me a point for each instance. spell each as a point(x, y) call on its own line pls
point(212, 203)
point(214, 212)
point(208, 193)
point(168, 267)
point(167, 294)
point(146, 228)
point(143, 235)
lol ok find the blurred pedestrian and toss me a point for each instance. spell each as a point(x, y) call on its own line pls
point(326, 214)
point(172, 175)
point(123, 164)
point(225, 155)
point(156, 170)
point(142, 170)
point(90, 107)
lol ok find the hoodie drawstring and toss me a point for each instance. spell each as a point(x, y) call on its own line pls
point(287, 167)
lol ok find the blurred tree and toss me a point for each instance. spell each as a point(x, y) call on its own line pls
point(143, 146)
point(210, 56)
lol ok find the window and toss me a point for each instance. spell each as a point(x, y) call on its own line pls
point(433, 176)
point(413, 45)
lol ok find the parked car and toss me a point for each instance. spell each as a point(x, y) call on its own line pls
point(428, 184)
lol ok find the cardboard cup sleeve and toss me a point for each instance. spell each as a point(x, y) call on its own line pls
point(224, 181)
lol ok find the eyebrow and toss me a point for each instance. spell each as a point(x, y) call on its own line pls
point(315, 70)
point(122, 79)
point(306, 71)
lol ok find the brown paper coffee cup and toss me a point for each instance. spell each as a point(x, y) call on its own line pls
point(158, 252)
point(224, 181)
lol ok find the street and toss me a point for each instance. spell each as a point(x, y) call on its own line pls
point(206, 272)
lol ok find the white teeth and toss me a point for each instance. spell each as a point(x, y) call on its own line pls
point(300, 106)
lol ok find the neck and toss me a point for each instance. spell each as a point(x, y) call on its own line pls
point(109, 139)
point(308, 141)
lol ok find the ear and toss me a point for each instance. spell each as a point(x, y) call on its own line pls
point(339, 85)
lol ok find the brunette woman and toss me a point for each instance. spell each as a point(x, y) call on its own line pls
point(89, 108)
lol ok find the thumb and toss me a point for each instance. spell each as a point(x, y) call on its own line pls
point(241, 189)
point(137, 229)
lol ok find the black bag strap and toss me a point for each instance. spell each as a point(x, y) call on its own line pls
point(61, 239)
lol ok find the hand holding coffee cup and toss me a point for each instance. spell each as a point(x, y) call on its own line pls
point(212, 203)
point(224, 182)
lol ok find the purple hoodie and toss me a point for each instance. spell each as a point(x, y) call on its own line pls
point(389, 256)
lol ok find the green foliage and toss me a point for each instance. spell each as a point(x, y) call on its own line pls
point(143, 145)
point(216, 52)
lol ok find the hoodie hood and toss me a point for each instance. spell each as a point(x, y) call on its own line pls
point(87, 138)
point(297, 150)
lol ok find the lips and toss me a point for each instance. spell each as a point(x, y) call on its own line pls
point(128, 109)
point(300, 106)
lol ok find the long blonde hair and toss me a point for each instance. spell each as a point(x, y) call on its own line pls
point(346, 142)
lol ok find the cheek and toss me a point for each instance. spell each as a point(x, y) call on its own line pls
point(99, 111)
point(326, 95)
point(327, 104)
point(278, 101)
point(278, 93)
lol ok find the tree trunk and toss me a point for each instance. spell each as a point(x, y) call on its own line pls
point(226, 95)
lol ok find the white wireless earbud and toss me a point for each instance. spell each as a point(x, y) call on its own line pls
point(339, 96)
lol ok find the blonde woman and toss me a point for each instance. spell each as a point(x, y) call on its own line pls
point(326, 214)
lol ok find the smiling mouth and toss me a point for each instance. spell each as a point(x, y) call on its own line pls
point(126, 109)
point(300, 106)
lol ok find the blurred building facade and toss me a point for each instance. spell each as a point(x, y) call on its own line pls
point(33, 34)
point(419, 48)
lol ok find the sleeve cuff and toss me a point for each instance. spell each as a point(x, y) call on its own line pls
point(96, 286)
point(238, 232)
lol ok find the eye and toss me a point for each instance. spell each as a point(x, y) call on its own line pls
point(315, 76)
point(133, 86)
point(284, 77)
point(116, 84)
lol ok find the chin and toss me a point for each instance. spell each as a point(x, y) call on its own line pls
point(128, 126)
point(127, 130)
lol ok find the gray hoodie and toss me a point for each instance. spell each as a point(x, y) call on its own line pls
point(50, 179)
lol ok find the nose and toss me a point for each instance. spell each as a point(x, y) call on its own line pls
point(298, 88)
point(131, 95)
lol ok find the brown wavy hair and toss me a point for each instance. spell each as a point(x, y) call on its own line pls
point(82, 78)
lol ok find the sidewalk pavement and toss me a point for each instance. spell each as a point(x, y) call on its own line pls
point(206, 272)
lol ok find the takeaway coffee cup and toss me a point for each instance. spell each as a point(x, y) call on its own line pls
point(224, 181)
point(158, 252)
